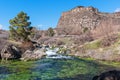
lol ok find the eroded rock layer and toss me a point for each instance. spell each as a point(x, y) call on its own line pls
point(86, 17)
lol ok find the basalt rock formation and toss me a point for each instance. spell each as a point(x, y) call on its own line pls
point(80, 18)
point(110, 75)
point(10, 51)
point(33, 55)
point(4, 34)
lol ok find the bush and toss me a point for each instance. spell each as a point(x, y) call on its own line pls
point(82, 39)
point(107, 41)
point(50, 32)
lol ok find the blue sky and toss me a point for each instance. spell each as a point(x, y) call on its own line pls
point(46, 13)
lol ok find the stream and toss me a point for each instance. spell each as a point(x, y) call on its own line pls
point(53, 67)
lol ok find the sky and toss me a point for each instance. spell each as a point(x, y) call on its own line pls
point(46, 13)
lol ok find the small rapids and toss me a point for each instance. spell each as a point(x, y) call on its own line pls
point(52, 53)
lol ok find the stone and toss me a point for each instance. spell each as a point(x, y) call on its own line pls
point(10, 52)
point(33, 55)
point(109, 75)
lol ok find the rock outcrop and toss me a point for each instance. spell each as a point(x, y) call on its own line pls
point(4, 34)
point(81, 17)
point(10, 52)
point(33, 55)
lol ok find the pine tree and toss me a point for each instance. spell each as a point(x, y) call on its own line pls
point(50, 32)
point(20, 28)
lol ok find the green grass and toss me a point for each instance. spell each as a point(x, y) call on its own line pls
point(93, 45)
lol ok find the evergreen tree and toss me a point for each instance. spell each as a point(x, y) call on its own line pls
point(51, 32)
point(20, 28)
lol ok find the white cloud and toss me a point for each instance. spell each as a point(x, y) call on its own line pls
point(117, 10)
point(41, 26)
point(1, 26)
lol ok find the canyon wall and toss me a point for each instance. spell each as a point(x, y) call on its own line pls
point(80, 17)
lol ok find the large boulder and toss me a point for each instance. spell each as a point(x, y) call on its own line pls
point(2, 44)
point(10, 52)
point(33, 55)
point(110, 75)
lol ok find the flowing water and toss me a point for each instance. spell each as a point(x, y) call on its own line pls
point(53, 67)
point(52, 53)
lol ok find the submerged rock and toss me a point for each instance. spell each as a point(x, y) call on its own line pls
point(4, 70)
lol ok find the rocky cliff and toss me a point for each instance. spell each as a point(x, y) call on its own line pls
point(4, 34)
point(86, 17)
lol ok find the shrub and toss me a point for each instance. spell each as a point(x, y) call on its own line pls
point(50, 32)
point(107, 41)
point(82, 39)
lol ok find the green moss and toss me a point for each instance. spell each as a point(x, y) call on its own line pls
point(19, 70)
point(111, 63)
point(77, 68)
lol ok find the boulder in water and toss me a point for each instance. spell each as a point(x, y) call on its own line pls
point(33, 55)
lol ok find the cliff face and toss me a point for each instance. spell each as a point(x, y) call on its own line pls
point(4, 34)
point(85, 17)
